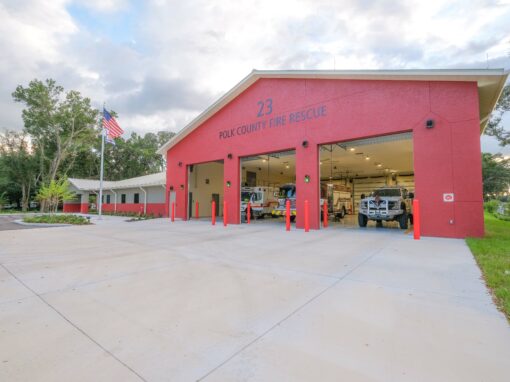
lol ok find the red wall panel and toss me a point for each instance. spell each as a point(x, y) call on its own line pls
point(152, 208)
point(446, 158)
point(68, 207)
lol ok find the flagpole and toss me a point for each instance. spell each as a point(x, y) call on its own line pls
point(100, 202)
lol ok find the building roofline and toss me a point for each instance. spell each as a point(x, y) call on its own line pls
point(494, 78)
point(150, 180)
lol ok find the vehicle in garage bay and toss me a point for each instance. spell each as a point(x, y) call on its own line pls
point(262, 201)
point(339, 201)
point(286, 192)
point(387, 204)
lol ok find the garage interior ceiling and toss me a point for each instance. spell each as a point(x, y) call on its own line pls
point(284, 161)
point(392, 154)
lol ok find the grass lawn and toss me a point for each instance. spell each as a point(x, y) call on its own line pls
point(56, 219)
point(493, 256)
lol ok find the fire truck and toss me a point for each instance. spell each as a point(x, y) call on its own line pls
point(262, 201)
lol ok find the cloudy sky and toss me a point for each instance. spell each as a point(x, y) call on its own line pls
point(160, 63)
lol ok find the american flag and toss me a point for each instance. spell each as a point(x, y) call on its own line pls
point(112, 127)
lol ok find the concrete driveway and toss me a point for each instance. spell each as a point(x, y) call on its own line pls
point(158, 301)
point(7, 223)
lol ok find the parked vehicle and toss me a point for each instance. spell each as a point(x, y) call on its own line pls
point(339, 201)
point(262, 201)
point(286, 192)
point(388, 204)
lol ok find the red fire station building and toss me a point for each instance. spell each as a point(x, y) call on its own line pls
point(352, 131)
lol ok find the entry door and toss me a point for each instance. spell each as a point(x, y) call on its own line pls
point(190, 205)
point(216, 198)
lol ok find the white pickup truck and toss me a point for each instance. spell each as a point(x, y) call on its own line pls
point(388, 204)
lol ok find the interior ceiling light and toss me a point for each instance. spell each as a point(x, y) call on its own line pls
point(264, 160)
point(287, 166)
point(379, 165)
point(352, 149)
point(367, 158)
point(320, 163)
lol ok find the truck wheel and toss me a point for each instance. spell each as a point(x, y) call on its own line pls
point(378, 223)
point(402, 221)
point(341, 214)
point(292, 218)
point(362, 220)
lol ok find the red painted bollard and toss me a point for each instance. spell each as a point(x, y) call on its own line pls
point(287, 215)
point(173, 212)
point(325, 215)
point(416, 219)
point(248, 213)
point(307, 217)
point(196, 210)
point(224, 214)
point(213, 213)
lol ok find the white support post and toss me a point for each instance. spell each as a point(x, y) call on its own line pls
point(144, 201)
point(114, 200)
point(100, 202)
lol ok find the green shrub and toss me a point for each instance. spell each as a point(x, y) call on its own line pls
point(57, 219)
point(491, 206)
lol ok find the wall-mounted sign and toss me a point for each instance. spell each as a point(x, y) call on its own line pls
point(448, 198)
point(265, 121)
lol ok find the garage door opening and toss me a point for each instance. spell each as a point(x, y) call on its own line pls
point(376, 174)
point(205, 184)
point(267, 181)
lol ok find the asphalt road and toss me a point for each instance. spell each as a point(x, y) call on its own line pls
point(7, 223)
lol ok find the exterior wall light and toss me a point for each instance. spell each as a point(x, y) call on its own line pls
point(182, 186)
point(179, 164)
point(171, 188)
point(307, 178)
point(429, 124)
point(229, 156)
point(228, 183)
point(305, 144)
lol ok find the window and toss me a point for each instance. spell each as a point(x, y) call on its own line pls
point(123, 198)
point(107, 199)
point(137, 198)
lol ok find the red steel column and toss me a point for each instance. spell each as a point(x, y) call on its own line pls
point(307, 217)
point(225, 217)
point(287, 215)
point(325, 215)
point(248, 210)
point(196, 210)
point(173, 211)
point(213, 213)
point(416, 219)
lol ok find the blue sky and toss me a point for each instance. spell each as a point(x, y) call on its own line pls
point(159, 63)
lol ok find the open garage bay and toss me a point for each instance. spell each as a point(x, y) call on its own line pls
point(159, 301)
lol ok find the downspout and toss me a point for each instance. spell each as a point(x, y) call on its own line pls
point(114, 201)
point(144, 201)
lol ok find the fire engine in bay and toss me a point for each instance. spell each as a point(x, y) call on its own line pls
point(262, 201)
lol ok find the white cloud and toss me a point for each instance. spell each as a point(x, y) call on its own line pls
point(187, 53)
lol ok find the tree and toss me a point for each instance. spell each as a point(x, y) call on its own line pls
point(19, 167)
point(128, 158)
point(59, 125)
point(494, 127)
point(55, 192)
point(3, 200)
point(496, 175)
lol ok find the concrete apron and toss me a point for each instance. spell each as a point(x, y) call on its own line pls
point(155, 300)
